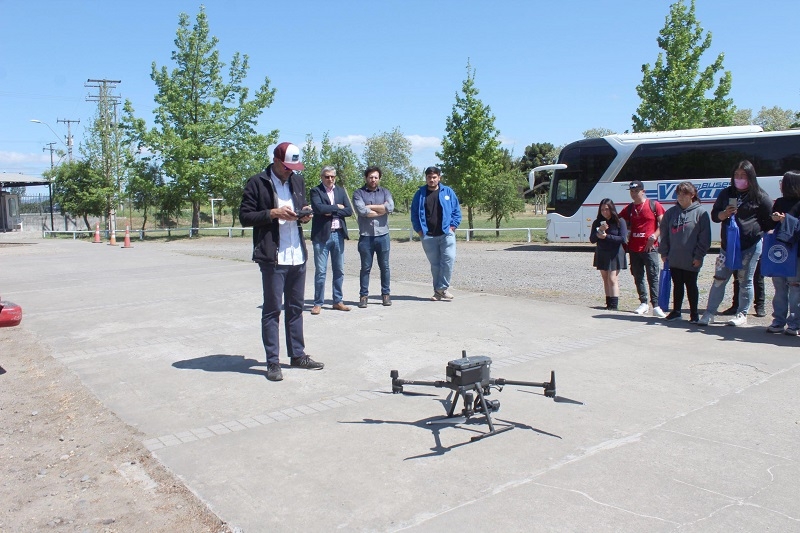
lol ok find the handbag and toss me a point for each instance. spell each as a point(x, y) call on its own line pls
point(664, 286)
point(778, 258)
point(733, 251)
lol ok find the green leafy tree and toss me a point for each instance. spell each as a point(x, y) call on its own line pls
point(391, 151)
point(204, 137)
point(470, 156)
point(742, 117)
point(503, 197)
point(538, 154)
point(338, 156)
point(674, 91)
point(80, 189)
point(592, 133)
point(775, 118)
point(145, 187)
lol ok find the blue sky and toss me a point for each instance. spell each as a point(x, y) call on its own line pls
point(548, 69)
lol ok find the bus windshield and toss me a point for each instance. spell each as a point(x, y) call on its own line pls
point(586, 161)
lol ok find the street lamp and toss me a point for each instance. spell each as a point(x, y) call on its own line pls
point(69, 149)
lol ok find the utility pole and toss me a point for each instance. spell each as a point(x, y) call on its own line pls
point(69, 134)
point(104, 102)
point(50, 147)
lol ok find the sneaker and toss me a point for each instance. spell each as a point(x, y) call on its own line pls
point(674, 315)
point(760, 311)
point(738, 320)
point(446, 295)
point(307, 363)
point(274, 372)
point(436, 296)
point(774, 328)
point(362, 302)
point(657, 312)
point(642, 309)
point(694, 319)
point(707, 319)
point(386, 299)
point(732, 310)
point(792, 332)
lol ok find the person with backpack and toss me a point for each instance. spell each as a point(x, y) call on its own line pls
point(643, 218)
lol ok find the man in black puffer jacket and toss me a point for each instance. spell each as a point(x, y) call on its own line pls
point(273, 203)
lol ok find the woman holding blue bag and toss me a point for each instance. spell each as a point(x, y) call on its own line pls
point(786, 302)
point(685, 240)
point(744, 210)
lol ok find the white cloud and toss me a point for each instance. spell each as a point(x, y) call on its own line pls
point(17, 158)
point(355, 141)
point(418, 142)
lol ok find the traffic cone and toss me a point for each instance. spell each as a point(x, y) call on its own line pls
point(127, 242)
point(97, 234)
point(112, 240)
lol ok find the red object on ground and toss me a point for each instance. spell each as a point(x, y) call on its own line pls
point(97, 234)
point(10, 314)
point(127, 242)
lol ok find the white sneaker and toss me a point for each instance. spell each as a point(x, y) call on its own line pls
point(659, 313)
point(446, 295)
point(642, 309)
point(740, 319)
point(706, 319)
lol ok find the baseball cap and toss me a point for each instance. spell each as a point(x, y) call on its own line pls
point(289, 154)
point(635, 184)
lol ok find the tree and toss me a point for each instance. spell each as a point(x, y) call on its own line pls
point(742, 117)
point(775, 118)
point(145, 187)
point(391, 151)
point(338, 156)
point(470, 156)
point(538, 154)
point(503, 197)
point(204, 137)
point(80, 189)
point(592, 133)
point(673, 92)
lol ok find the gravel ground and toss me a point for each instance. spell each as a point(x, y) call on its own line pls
point(546, 272)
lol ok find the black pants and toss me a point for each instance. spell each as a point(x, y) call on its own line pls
point(681, 278)
point(283, 284)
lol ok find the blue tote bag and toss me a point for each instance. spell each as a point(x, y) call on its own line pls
point(733, 250)
point(778, 259)
point(664, 286)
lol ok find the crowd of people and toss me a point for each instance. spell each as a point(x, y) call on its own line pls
point(680, 238)
point(274, 204)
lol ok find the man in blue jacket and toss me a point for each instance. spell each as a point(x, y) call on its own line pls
point(435, 216)
point(328, 232)
point(271, 203)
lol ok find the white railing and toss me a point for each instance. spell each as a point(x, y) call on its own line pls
point(412, 235)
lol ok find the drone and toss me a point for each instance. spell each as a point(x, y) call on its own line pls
point(469, 378)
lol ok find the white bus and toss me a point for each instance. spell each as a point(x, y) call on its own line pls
point(592, 169)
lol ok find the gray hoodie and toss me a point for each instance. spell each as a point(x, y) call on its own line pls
point(685, 236)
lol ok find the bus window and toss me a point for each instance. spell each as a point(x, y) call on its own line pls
point(566, 189)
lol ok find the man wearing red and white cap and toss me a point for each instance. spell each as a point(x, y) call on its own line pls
point(274, 204)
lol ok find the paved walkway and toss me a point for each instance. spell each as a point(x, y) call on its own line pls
point(656, 428)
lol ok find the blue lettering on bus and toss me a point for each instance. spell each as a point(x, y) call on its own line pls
point(706, 191)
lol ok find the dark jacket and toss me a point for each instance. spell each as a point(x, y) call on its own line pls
point(753, 217)
point(616, 235)
point(685, 236)
point(324, 211)
point(258, 198)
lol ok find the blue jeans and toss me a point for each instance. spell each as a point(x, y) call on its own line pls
point(367, 247)
point(287, 284)
point(722, 275)
point(441, 252)
point(335, 247)
point(786, 302)
point(647, 263)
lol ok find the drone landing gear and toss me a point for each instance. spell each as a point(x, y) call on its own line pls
point(473, 405)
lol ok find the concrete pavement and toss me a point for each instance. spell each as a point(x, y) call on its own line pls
point(657, 427)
